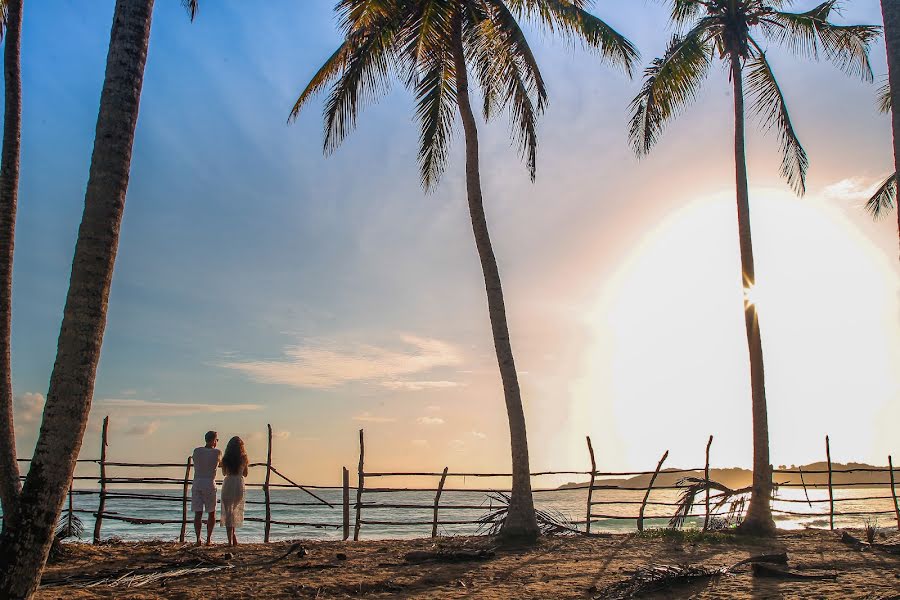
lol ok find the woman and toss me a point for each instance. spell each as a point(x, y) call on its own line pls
point(234, 467)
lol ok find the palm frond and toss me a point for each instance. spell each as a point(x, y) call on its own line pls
point(810, 34)
point(884, 98)
point(191, 6)
point(670, 83)
point(685, 11)
point(769, 105)
point(436, 110)
point(330, 71)
point(572, 21)
point(883, 200)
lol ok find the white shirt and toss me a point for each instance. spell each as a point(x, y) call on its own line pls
point(206, 460)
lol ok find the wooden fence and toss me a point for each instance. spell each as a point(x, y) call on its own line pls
point(599, 492)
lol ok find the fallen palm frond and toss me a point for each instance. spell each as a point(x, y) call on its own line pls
point(68, 526)
point(656, 578)
point(694, 486)
point(550, 521)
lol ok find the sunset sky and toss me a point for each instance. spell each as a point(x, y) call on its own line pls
point(260, 282)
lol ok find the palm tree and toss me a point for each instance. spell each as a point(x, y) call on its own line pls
point(890, 12)
point(11, 21)
point(728, 29)
point(28, 536)
point(432, 45)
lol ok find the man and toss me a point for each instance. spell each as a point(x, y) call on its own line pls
point(203, 491)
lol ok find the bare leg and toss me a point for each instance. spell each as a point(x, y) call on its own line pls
point(210, 525)
point(228, 533)
point(198, 518)
point(234, 541)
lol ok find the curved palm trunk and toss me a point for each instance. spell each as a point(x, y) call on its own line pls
point(520, 522)
point(890, 12)
point(759, 514)
point(26, 541)
point(9, 192)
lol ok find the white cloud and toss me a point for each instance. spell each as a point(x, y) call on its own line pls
point(281, 435)
point(28, 408)
point(457, 445)
point(479, 435)
point(852, 189)
point(328, 365)
point(145, 408)
point(367, 417)
point(430, 421)
point(433, 408)
point(143, 429)
point(418, 386)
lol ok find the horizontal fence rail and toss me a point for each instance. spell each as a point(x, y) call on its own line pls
point(710, 506)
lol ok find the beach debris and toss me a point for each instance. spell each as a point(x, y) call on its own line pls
point(302, 552)
point(550, 522)
point(655, 578)
point(340, 556)
point(227, 556)
point(861, 545)
point(695, 486)
point(442, 555)
point(764, 570)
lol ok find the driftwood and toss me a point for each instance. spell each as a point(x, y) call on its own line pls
point(461, 555)
point(861, 545)
point(764, 570)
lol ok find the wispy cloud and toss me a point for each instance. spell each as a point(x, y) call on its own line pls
point(430, 421)
point(28, 408)
point(417, 386)
point(143, 429)
point(327, 365)
point(146, 408)
point(852, 189)
point(367, 417)
point(479, 435)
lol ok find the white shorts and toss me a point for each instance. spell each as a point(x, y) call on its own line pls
point(203, 498)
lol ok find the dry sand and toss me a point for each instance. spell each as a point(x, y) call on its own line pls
point(558, 567)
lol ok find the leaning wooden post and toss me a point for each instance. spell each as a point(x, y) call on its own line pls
point(346, 474)
point(640, 523)
point(266, 486)
point(590, 495)
point(98, 521)
point(184, 499)
point(706, 477)
point(894, 490)
point(361, 481)
point(437, 502)
point(69, 528)
point(830, 486)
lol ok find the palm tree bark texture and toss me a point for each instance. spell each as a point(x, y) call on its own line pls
point(27, 538)
point(9, 192)
point(890, 12)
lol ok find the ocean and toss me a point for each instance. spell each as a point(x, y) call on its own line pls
point(564, 504)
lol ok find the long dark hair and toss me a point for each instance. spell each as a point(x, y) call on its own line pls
point(235, 460)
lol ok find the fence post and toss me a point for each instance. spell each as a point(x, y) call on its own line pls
point(98, 519)
point(361, 481)
point(706, 477)
point(437, 501)
point(266, 486)
point(590, 495)
point(830, 487)
point(894, 490)
point(346, 474)
point(69, 526)
point(640, 523)
point(184, 499)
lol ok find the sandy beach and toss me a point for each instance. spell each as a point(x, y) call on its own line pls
point(820, 566)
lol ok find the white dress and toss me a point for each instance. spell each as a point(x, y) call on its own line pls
point(233, 501)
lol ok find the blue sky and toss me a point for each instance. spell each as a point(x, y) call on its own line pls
point(260, 281)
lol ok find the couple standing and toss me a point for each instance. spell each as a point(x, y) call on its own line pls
point(234, 463)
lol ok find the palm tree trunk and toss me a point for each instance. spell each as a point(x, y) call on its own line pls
point(520, 523)
point(26, 541)
point(890, 12)
point(759, 514)
point(9, 192)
